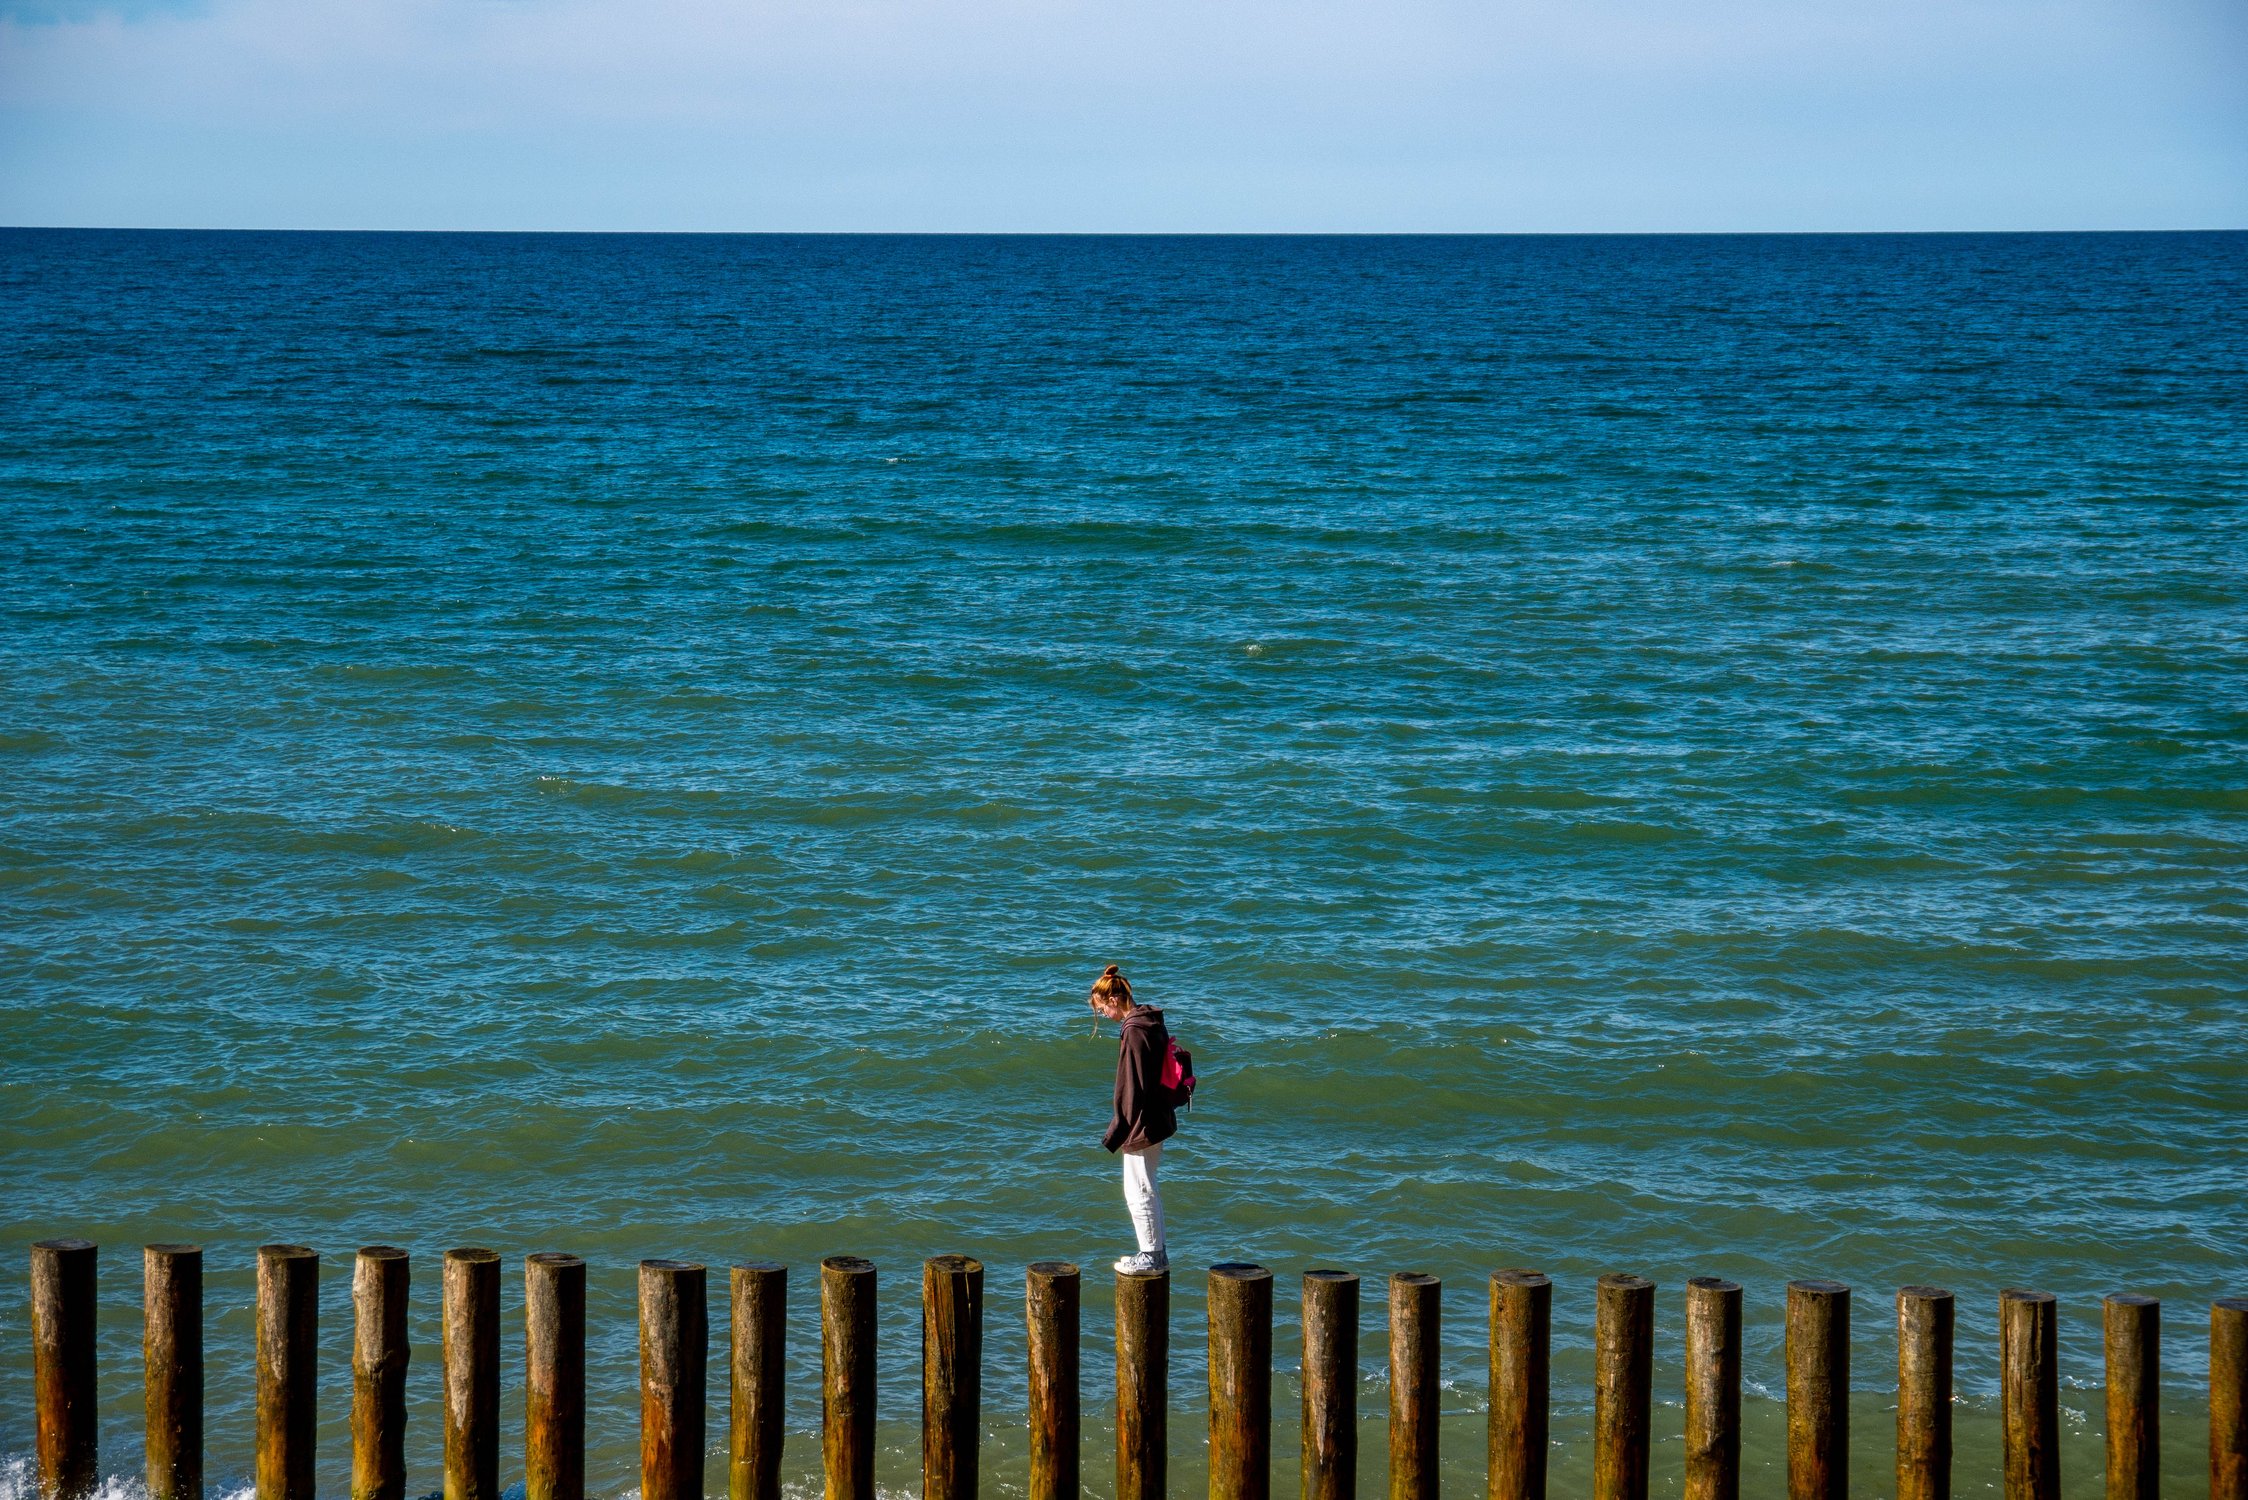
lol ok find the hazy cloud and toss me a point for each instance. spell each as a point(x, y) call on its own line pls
point(1105, 114)
point(56, 12)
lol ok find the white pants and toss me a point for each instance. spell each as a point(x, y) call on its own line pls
point(1141, 1198)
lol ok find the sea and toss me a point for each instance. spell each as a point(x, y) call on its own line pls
point(1675, 755)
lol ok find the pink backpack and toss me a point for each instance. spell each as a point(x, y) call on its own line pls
point(1178, 1073)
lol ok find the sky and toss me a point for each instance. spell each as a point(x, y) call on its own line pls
point(1126, 115)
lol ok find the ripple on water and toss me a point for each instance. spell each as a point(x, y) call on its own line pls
point(1684, 756)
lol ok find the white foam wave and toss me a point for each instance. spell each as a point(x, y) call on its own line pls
point(19, 1480)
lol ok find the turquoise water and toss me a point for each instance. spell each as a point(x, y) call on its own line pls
point(1686, 756)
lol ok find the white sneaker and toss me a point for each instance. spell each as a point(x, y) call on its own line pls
point(1143, 1262)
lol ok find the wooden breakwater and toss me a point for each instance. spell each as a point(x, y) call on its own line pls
point(674, 1379)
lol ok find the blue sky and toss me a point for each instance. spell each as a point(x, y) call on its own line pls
point(1098, 115)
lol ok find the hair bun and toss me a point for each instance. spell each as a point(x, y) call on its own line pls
point(1108, 971)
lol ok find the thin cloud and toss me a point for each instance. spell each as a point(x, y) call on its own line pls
point(1104, 114)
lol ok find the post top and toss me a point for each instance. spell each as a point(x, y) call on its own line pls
point(953, 1265)
point(1924, 1294)
point(556, 1258)
point(65, 1246)
point(1413, 1278)
point(1163, 1275)
point(2018, 1294)
point(472, 1255)
point(1239, 1270)
point(672, 1267)
point(2130, 1299)
point(1814, 1287)
point(1329, 1275)
point(2230, 1305)
point(168, 1251)
point(1053, 1268)
point(762, 1267)
point(287, 1252)
point(1516, 1276)
point(1713, 1284)
point(848, 1265)
point(382, 1252)
point(1621, 1281)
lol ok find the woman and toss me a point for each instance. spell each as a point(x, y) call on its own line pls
point(1145, 1115)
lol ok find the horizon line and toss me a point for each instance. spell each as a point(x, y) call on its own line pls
point(1211, 234)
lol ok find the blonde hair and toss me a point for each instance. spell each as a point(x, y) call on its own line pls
point(1112, 986)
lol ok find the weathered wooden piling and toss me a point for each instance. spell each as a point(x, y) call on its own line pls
point(1623, 1385)
point(380, 1278)
point(1240, 1382)
point(847, 1376)
point(1924, 1324)
point(63, 1367)
point(1713, 1389)
point(951, 1375)
point(1818, 1390)
point(1330, 1382)
point(757, 1382)
point(2030, 1394)
point(1416, 1342)
point(470, 1335)
point(288, 1343)
point(2133, 1338)
point(172, 1362)
point(1143, 1384)
point(674, 1334)
point(1050, 1313)
point(2228, 1399)
point(674, 1358)
point(553, 1377)
point(1521, 1339)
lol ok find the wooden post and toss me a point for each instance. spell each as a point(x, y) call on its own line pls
point(172, 1356)
point(471, 1339)
point(1924, 1320)
point(1818, 1390)
point(1623, 1385)
point(379, 1356)
point(553, 1377)
point(758, 1381)
point(2030, 1394)
point(2228, 1399)
point(2134, 1396)
point(674, 1352)
point(1330, 1380)
point(1713, 1389)
point(62, 1367)
point(1521, 1335)
point(288, 1340)
point(1050, 1300)
point(951, 1375)
point(1240, 1382)
point(847, 1376)
point(1416, 1346)
point(1143, 1384)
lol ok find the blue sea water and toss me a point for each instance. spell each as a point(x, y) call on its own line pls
point(1679, 755)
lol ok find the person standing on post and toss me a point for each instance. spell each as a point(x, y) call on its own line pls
point(1145, 1114)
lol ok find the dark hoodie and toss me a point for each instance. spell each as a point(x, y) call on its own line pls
point(1144, 1112)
